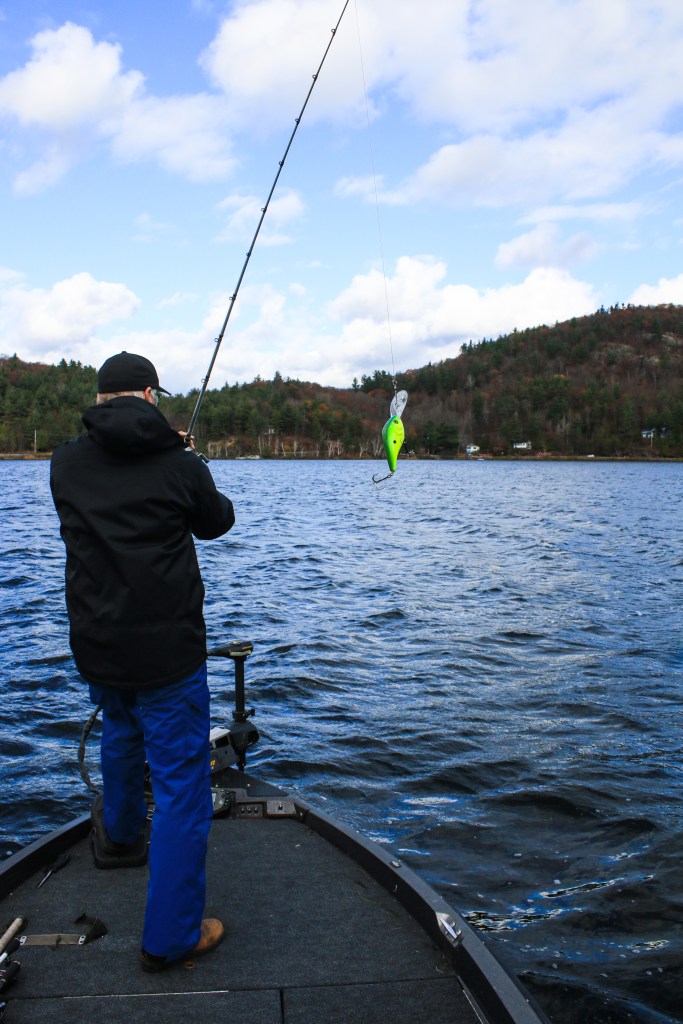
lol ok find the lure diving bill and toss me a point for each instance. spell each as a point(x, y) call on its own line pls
point(393, 434)
point(398, 404)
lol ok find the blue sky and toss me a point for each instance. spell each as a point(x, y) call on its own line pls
point(527, 155)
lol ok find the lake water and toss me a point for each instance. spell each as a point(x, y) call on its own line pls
point(479, 663)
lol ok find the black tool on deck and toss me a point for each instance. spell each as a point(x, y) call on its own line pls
point(243, 734)
point(56, 865)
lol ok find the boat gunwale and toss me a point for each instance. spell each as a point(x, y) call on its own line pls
point(20, 865)
point(493, 991)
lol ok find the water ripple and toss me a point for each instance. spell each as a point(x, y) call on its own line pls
point(480, 664)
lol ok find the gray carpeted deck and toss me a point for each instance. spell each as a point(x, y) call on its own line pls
point(311, 939)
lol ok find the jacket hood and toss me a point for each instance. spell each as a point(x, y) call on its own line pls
point(130, 426)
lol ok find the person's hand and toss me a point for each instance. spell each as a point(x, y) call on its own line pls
point(188, 441)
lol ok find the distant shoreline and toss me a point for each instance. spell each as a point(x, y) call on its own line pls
point(536, 459)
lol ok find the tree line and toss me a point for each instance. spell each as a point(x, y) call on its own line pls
point(608, 384)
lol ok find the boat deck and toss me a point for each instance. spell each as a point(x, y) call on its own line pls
point(310, 938)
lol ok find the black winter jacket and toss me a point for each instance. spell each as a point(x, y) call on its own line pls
point(129, 497)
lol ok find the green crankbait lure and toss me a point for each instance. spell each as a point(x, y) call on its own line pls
point(393, 434)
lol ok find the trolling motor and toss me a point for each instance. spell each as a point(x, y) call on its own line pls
point(242, 734)
point(226, 746)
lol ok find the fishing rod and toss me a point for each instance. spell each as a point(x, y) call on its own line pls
point(264, 210)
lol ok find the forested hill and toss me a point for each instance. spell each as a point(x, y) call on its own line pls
point(592, 385)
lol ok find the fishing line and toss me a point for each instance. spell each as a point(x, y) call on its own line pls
point(393, 433)
point(264, 210)
point(374, 182)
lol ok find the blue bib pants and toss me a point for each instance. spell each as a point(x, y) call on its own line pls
point(170, 726)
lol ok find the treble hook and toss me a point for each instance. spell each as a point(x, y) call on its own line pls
point(379, 479)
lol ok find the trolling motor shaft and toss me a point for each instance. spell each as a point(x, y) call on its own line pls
point(243, 734)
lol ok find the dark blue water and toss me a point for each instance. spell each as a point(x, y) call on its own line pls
point(480, 663)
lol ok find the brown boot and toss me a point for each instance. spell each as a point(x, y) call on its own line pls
point(212, 933)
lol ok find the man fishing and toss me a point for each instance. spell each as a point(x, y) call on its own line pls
point(130, 495)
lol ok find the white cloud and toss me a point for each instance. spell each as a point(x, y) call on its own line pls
point(265, 53)
point(244, 213)
point(499, 67)
point(430, 318)
point(598, 212)
point(74, 91)
point(551, 112)
point(367, 187)
point(184, 134)
point(270, 329)
point(47, 323)
point(70, 80)
point(589, 157)
point(495, 68)
point(9, 276)
point(666, 290)
point(46, 171)
point(544, 247)
point(555, 103)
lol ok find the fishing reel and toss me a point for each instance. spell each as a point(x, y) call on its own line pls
point(9, 969)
